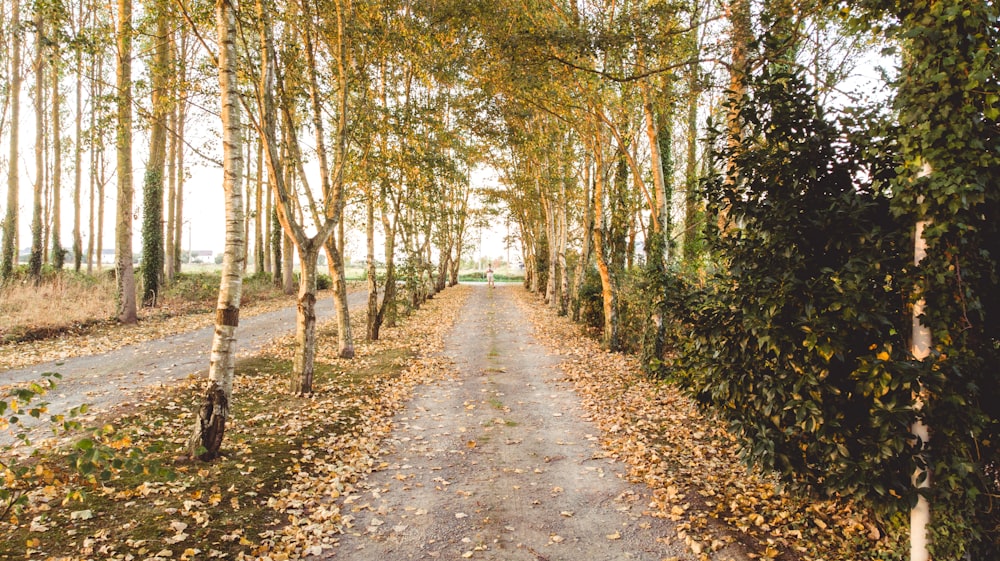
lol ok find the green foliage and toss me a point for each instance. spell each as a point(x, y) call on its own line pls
point(948, 106)
point(323, 281)
point(948, 103)
point(195, 286)
point(260, 280)
point(591, 300)
point(152, 236)
point(96, 456)
point(18, 478)
point(796, 340)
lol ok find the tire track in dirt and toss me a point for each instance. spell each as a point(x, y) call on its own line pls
point(499, 463)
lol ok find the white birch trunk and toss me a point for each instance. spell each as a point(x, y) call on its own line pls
point(920, 348)
point(211, 421)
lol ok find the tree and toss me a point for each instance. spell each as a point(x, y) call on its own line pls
point(126, 293)
point(152, 197)
point(327, 220)
point(78, 24)
point(211, 420)
point(10, 222)
point(37, 246)
point(58, 253)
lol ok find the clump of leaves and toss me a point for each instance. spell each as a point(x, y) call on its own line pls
point(27, 469)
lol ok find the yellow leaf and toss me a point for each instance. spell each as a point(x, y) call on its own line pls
point(615, 536)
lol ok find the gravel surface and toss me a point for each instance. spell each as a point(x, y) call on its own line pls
point(500, 464)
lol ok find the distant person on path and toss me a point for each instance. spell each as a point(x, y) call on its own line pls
point(489, 277)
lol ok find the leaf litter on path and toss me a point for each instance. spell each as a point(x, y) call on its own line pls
point(691, 462)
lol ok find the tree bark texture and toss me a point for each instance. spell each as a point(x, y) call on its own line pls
point(58, 257)
point(78, 156)
point(152, 190)
point(303, 363)
point(123, 223)
point(211, 421)
point(37, 245)
point(10, 250)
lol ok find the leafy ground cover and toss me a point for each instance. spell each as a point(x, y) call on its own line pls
point(286, 459)
point(691, 462)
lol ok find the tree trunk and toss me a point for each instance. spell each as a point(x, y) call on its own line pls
point(740, 36)
point(268, 219)
point(692, 213)
point(608, 292)
point(92, 222)
point(561, 240)
point(123, 222)
point(180, 121)
point(10, 226)
point(258, 218)
point(920, 347)
point(170, 232)
point(372, 320)
point(101, 183)
point(583, 264)
point(335, 263)
point(288, 267)
point(387, 312)
point(277, 238)
point(552, 279)
point(211, 420)
point(78, 155)
point(303, 364)
point(152, 191)
point(58, 257)
point(37, 245)
point(248, 197)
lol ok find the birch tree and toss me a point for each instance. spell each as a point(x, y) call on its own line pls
point(210, 424)
point(308, 246)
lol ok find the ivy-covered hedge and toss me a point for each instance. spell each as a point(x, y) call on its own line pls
point(801, 339)
point(795, 340)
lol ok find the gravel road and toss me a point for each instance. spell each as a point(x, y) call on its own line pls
point(118, 378)
point(500, 464)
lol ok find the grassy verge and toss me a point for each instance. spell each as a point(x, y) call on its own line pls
point(68, 303)
point(286, 459)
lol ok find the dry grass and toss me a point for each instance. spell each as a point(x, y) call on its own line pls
point(60, 303)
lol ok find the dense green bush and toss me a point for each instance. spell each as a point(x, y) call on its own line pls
point(801, 338)
point(796, 341)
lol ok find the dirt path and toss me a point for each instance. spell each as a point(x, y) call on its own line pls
point(119, 377)
point(499, 464)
